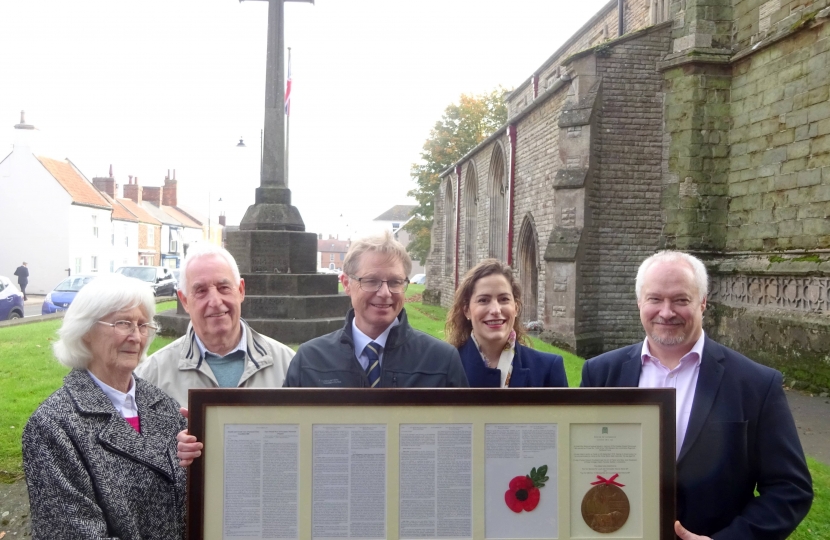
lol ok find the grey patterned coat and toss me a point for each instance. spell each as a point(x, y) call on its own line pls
point(91, 475)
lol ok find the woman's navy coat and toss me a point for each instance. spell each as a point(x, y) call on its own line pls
point(531, 368)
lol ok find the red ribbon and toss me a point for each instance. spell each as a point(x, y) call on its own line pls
point(609, 482)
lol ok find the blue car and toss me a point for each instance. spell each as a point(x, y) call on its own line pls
point(62, 295)
point(11, 300)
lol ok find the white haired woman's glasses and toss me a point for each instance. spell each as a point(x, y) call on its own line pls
point(125, 328)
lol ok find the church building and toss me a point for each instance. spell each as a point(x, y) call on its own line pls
point(697, 125)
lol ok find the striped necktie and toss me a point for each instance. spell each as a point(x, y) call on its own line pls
point(372, 352)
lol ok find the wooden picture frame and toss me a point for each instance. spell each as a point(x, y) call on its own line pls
point(494, 435)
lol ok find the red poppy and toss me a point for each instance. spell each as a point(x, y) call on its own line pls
point(522, 495)
point(524, 490)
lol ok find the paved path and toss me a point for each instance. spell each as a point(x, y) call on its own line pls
point(812, 418)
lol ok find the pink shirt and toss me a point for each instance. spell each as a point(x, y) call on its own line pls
point(683, 379)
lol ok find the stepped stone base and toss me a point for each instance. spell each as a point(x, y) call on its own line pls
point(273, 252)
point(285, 298)
point(288, 331)
point(291, 308)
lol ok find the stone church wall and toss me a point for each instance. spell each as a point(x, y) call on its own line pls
point(770, 295)
point(625, 199)
point(438, 284)
point(537, 162)
point(440, 278)
point(755, 20)
point(709, 133)
point(601, 28)
point(779, 176)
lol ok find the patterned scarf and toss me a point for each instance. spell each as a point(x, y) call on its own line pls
point(506, 357)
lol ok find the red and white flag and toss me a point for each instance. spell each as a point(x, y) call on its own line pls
point(288, 88)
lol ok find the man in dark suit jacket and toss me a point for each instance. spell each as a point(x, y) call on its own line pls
point(735, 432)
point(22, 274)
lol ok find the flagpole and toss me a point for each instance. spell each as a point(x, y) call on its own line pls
point(287, 116)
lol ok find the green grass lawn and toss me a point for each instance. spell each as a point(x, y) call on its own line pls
point(29, 374)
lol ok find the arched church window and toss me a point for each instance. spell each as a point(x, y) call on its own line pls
point(470, 216)
point(528, 257)
point(498, 205)
point(449, 228)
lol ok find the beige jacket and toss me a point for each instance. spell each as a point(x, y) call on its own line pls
point(179, 366)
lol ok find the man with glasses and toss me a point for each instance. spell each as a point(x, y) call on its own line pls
point(376, 348)
point(219, 349)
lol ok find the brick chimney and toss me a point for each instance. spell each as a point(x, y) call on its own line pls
point(153, 195)
point(169, 196)
point(105, 185)
point(133, 191)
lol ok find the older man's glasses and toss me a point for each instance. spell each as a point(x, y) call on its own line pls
point(396, 286)
point(125, 328)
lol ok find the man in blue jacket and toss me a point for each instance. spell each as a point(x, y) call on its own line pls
point(376, 348)
point(735, 432)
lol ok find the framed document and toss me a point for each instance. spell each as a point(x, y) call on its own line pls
point(410, 464)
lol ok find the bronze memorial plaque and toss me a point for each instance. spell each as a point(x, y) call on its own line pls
point(605, 507)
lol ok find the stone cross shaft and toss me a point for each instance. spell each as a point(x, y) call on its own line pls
point(273, 151)
point(272, 209)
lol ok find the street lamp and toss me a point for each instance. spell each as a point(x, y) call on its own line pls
point(241, 144)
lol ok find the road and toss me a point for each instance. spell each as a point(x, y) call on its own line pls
point(33, 305)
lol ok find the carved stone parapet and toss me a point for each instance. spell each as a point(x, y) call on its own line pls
point(790, 293)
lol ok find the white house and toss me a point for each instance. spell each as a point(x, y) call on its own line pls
point(52, 217)
point(393, 220)
point(124, 248)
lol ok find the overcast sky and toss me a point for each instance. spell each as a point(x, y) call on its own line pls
point(153, 85)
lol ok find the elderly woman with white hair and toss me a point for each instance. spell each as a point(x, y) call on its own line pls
point(100, 453)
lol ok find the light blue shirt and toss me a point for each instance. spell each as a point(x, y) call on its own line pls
point(361, 340)
point(226, 369)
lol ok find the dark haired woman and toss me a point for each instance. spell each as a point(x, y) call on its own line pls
point(483, 324)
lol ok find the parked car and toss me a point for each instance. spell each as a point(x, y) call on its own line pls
point(64, 292)
point(11, 300)
point(158, 277)
point(419, 279)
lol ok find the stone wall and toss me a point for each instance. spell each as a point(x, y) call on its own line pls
point(625, 205)
point(601, 28)
point(775, 310)
point(771, 285)
point(537, 162)
point(697, 122)
point(440, 278)
point(636, 16)
point(779, 176)
point(757, 19)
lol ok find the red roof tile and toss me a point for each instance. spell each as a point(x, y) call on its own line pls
point(142, 214)
point(78, 187)
point(118, 211)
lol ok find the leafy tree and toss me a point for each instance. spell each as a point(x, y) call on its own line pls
point(460, 129)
